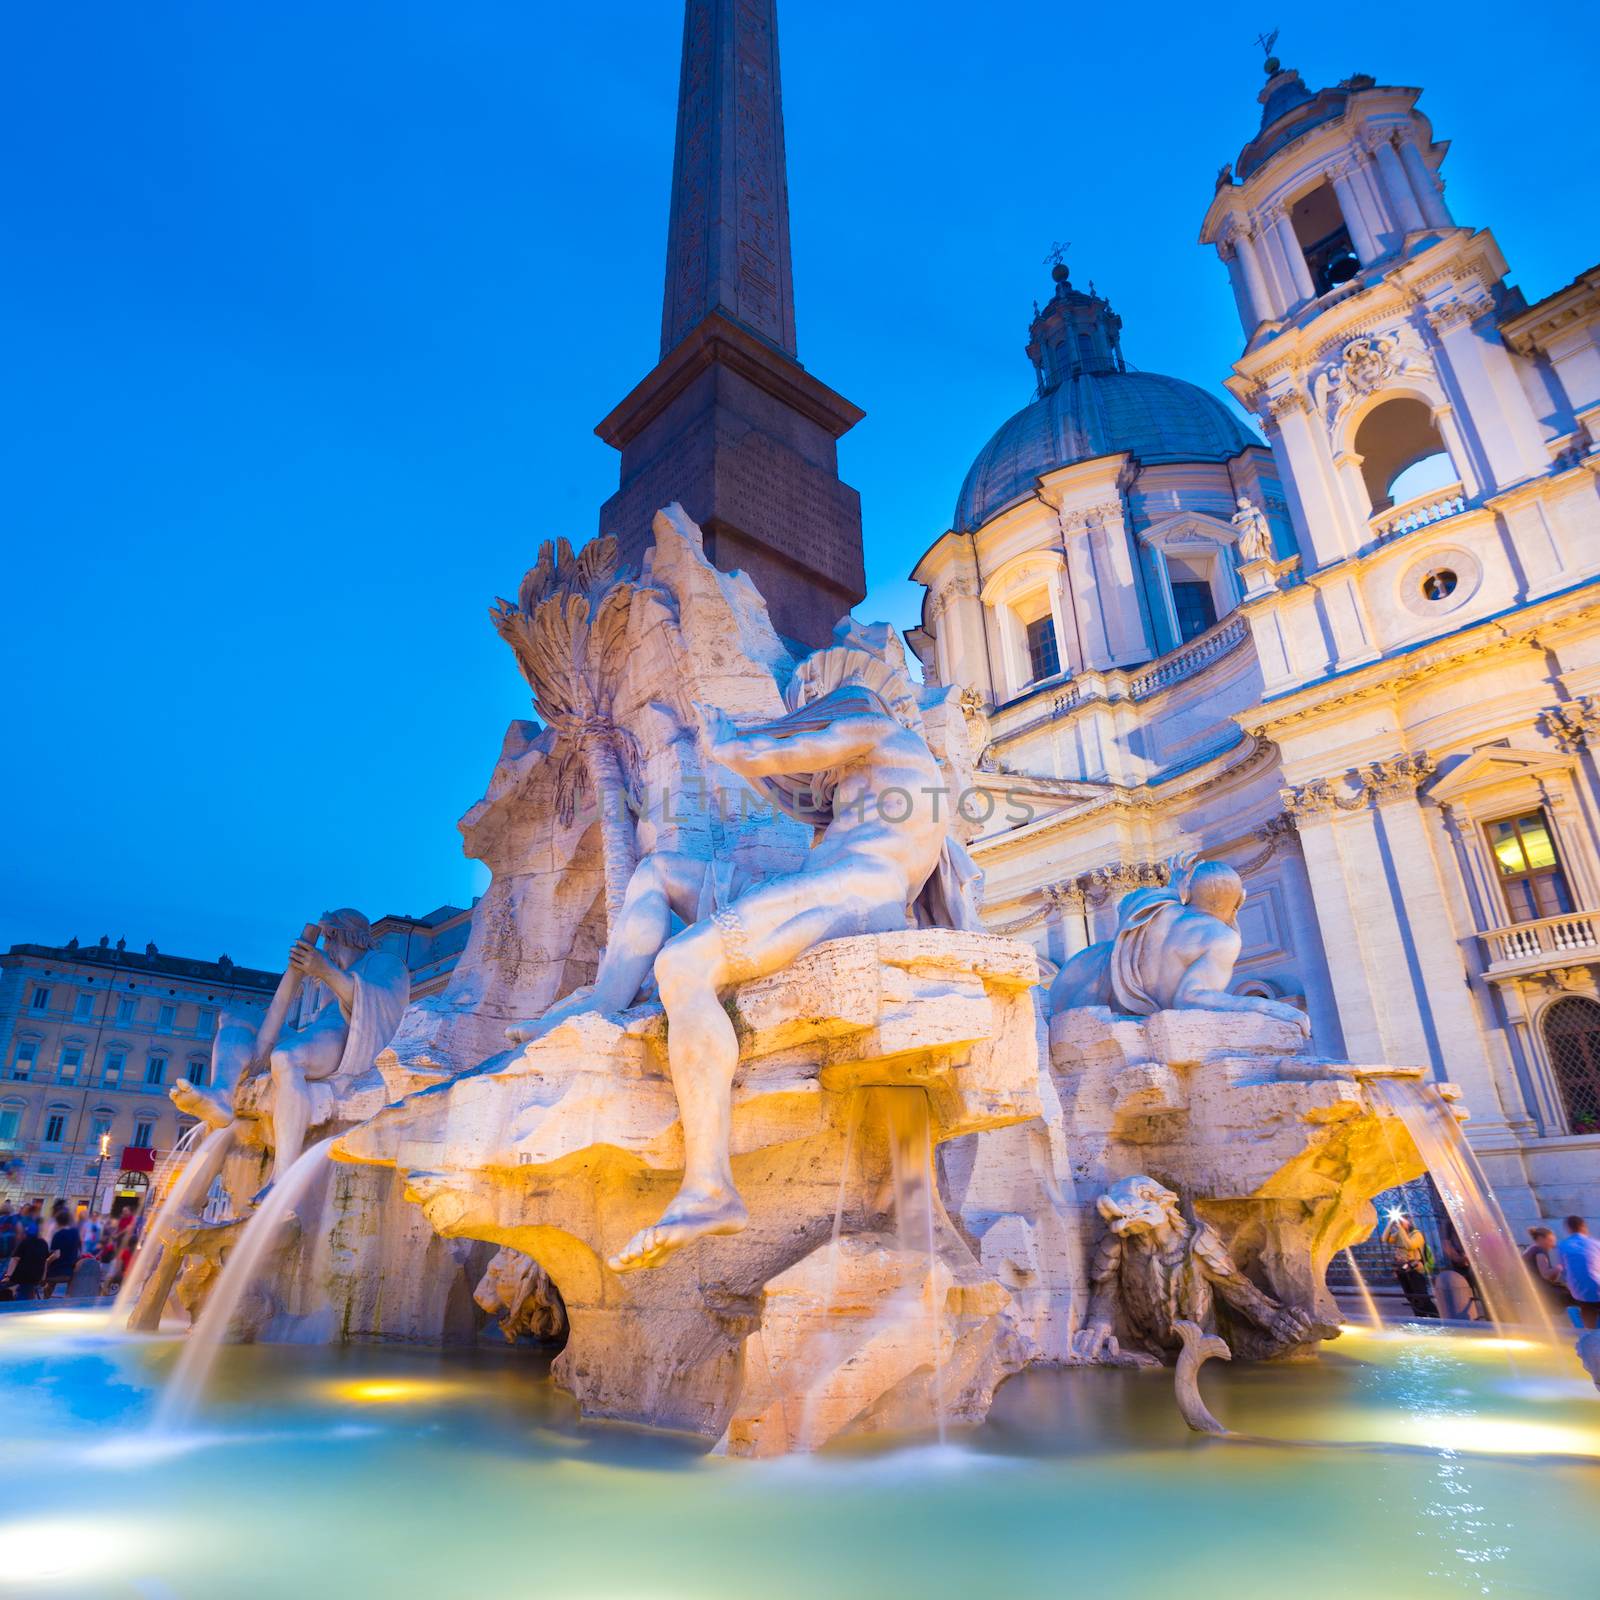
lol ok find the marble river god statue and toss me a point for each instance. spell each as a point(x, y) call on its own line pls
point(1174, 949)
point(296, 1073)
point(851, 758)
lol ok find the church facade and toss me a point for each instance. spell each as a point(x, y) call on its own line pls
point(1359, 661)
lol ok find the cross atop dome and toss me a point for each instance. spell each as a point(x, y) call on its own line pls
point(1075, 332)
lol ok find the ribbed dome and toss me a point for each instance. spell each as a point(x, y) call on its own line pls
point(1092, 414)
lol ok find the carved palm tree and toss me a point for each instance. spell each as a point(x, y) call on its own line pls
point(566, 628)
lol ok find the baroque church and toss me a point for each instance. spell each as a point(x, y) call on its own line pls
point(1360, 662)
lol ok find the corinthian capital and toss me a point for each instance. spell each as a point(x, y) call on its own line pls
point(1398, 777)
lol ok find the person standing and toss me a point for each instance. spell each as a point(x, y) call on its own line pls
point(1580, 1263)
point(65, 1248)
point(1409, 1248)
point(1543, 1261)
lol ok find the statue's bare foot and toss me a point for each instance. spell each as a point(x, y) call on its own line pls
point(692, 1215)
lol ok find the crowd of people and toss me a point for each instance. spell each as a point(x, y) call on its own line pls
point(1568, 1272)
point(70, 1253)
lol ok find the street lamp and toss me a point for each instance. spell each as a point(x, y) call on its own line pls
point(99, 1163)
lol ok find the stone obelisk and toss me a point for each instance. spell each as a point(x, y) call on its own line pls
point(729, 422)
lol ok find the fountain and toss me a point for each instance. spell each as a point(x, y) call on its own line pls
point(884, 1191)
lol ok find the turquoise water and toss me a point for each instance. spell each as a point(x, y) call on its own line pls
point(398, 1473)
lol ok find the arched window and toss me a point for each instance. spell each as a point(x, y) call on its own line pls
point(1402, 452)
point(1572, 1036)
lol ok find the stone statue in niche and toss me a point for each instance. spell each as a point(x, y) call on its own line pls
point(520, 1293)
point(1173, 950)
point(294, 1075)
point(1255, 533)
point(851, 758)
point(1156, 1269)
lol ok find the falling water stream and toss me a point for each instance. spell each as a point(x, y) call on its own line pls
point(1368, 1304)
point(260, 1233)
point(911, 1162)
point(1509, 1295)
point(172, 1203)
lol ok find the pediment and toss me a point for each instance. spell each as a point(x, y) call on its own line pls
point(1192, 529)
point(1496, 764)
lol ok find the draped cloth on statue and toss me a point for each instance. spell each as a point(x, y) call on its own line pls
point(382, 991)
point(949, 898)
point(1144, 918)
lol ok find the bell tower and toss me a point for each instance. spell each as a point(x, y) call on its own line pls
point(1370, 315)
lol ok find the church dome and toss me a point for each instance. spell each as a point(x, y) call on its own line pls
point(1089, 414)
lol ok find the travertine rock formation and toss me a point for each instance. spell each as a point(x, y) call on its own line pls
point(565, 1149)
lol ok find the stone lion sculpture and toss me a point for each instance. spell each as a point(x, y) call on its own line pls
point(1174, 949)
point(1156, 1269)
point(517, 1291)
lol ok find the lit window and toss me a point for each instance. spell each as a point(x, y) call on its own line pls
point(83, 1006)
point(22, 1061)
point(197, 1072)
point(115, 1061)
point(1530, 873)
point(1044, 659)
point(127, 1010)
point(143, 1132)
point(71, 1061)
point(40, 1000)
point(1195, 609)
point(155, 1070)
point(164, 1020)
point(55, 1127)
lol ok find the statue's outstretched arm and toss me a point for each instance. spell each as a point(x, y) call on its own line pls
point(757, 755)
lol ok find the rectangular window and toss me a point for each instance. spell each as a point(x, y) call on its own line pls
point(1191, 601)
point(205, 1022)
point(127, 1009)
point(10, 1122)
point(155, 1070)
point(71, 1063)
point(40, 999)
point(197, 1072)
point(164, 1019)
point(22, 1061)
point(1044, 659)
point(99, 1129)
point(1530, 872)
point(143, 1132)
point(115, 1061)
point(55, 1127)
point(83, 1007)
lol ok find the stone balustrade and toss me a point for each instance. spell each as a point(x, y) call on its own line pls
point(1418, 512)
point(1180, 664)
point(1549, 942)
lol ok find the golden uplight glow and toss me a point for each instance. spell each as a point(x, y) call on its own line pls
point(392, 1391)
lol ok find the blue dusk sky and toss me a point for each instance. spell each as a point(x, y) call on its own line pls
point(310, 308)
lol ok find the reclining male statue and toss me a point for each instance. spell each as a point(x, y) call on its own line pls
point(851, 758)
point(1174, 949)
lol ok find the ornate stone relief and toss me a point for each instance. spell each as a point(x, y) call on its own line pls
point(1364, 365)
point(1395, 778)
point(1573, 723)
point(1277, 832)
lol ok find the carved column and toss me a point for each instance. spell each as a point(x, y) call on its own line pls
point(1305, 448)
point(1355, 218)
point(1424, 185)
point(1294, 259)
point(1396, 187)
point(1359, 935)
point(1495, 403)
point(1435, 966)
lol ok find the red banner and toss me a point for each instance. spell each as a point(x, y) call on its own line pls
point(136, 1158)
